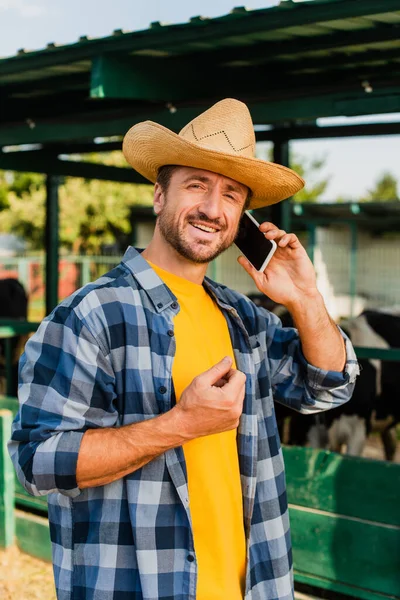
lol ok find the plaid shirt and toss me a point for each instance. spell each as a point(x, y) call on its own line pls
point(103, 358)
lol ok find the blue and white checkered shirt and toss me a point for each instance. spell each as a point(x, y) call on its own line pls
point(103, 358)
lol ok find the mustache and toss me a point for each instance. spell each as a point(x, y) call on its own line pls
point(199, 216)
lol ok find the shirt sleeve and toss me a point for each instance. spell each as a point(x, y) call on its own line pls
point(298, 384)
point(66, 387)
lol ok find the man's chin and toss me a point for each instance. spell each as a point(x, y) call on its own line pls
point(201, 255)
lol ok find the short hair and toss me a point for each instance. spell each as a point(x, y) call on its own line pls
point(164, 178)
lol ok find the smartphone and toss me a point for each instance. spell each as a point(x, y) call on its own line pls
point(253, 243)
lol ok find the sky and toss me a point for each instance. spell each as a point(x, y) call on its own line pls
point(353, 165)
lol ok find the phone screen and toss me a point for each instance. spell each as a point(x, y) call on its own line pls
point(253, 244)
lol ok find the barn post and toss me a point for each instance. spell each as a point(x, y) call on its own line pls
point(280, 213)
point(353, 265)
point(7, 491)
point(312, 238)
point(52, 242)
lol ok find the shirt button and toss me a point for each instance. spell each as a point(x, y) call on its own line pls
point(162, 389)
point(190, 558)
point(174, 305)
point(160, 305)
point(170, 332)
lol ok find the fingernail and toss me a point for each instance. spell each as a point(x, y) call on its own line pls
point(226, 359)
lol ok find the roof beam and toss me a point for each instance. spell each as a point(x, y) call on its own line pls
point(86, 126)
point(153, 80)
point(346, 61)
point(175, 36)
point(304, 132)
point(293, 50)
point(41, 162)
point(292, 132)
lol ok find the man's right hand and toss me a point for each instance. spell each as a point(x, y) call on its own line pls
point(213, 402)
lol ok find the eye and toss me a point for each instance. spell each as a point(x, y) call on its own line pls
point(232, 197)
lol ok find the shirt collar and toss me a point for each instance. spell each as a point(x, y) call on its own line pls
point(159, 293)
point(148, 279)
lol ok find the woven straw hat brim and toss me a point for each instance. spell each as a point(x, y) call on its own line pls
point(148, 146)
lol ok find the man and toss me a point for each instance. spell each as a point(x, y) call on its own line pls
point(147, 397)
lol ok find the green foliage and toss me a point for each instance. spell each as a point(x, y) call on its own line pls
point(309, 169)
point(3, 191)
point(92, 212)
point(385, 189)
point(22, 183)
point(25, 216)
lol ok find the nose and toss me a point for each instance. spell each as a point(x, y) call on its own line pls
point(212, 204)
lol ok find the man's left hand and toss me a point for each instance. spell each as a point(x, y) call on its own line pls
point(289, 276)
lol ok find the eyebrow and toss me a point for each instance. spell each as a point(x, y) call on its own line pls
point(229, 186)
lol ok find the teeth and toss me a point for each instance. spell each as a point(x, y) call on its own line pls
point(205, 228)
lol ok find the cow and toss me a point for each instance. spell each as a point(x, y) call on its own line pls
point(374, 404)
point(13, 305)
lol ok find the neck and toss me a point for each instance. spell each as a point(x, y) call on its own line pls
point(162, 254)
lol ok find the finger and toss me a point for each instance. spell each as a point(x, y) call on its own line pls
point(266, 226)
point(236, 382)
point(251, 270)
point(275, 234)
point(289, 239)
point(225, 379)
point(246, 264)
point(216, 372)
point(221, 382)
point(256, 276)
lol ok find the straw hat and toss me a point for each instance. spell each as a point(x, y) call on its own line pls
point(221, 140)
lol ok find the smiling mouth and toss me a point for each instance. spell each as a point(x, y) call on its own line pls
point(205, 228)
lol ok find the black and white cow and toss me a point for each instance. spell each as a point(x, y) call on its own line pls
point(13, 305)
point(374, 405)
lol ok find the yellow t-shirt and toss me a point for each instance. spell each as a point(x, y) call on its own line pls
point(215, 494)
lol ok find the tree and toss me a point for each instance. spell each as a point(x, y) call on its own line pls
point(385, 189)
point(96, 213)
point(92, 212)
point(25, 217)
point(309, 169)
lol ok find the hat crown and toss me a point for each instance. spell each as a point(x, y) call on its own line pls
point(225, 127)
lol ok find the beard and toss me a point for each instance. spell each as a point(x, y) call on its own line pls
point(200, 253)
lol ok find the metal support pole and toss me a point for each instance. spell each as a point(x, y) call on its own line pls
point(353, 265)
point(7, 489)
point(281, 212)
point(52, 242)
point(85, 270)
point(311, 241)
point(9, 366)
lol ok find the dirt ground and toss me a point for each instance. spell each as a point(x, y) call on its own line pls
point(374, 449)
point(23, 577)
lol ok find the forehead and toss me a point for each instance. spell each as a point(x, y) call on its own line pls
point(183, 173)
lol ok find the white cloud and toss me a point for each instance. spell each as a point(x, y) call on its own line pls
point(24, 8)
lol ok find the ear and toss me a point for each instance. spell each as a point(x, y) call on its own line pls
point(159, 198)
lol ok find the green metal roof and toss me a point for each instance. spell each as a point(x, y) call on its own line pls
point(376, 217)
point(291, 63)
